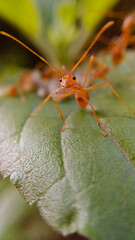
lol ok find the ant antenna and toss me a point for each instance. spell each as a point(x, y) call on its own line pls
point(106, 26)
point(17, 40)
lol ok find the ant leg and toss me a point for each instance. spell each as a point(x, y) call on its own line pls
point(85, 99)
point(102, 73)
point(88, 70)
point(41, 105)
point(61, 114)
point(116, 94)
point(46, 100)
point(94, 59)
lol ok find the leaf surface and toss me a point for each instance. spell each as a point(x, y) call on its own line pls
point(81, 180)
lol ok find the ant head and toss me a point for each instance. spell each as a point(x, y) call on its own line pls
point(67, 81)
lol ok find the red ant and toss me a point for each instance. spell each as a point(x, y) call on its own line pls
point(118, 45)
point(70, 84)
point(36, 79)
point(25, 83)
point(122, 42)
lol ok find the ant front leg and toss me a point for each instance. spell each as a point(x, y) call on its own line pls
point(85, 99)
point(41, 105)
point(47, 99)
point(116, 94)
point(61, 114)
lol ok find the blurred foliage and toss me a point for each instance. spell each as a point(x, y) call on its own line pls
point(19, 12)
point(59, 29)
point(17, 220)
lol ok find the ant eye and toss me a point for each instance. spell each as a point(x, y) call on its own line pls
point(60, 80)
point(74, 78)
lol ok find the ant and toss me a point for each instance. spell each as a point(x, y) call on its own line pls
point(26, 83)
point(34, 79)
point(99, 70)
point(121, 43)
point(69, 84)
point(118, 45)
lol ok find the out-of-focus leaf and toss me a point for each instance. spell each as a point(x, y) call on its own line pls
point(81, 180)
point(22, 14)
point(59, 29)
point(72, 26)
point(17, 220)
point(12, 208)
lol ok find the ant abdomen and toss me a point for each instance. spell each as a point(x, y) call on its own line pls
point(80, 100)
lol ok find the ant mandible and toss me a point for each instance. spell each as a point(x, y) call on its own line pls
point(69, 82)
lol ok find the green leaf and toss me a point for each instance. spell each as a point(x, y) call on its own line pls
point(81, 180)
point(12, 208)
point(22, 14)
point(19, 221)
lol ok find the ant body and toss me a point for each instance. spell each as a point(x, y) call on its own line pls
point(69, 84)
point(122, 42)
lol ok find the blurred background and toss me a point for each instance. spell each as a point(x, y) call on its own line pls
point(60, 31)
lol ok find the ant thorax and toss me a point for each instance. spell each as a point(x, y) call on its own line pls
point(68, 81)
